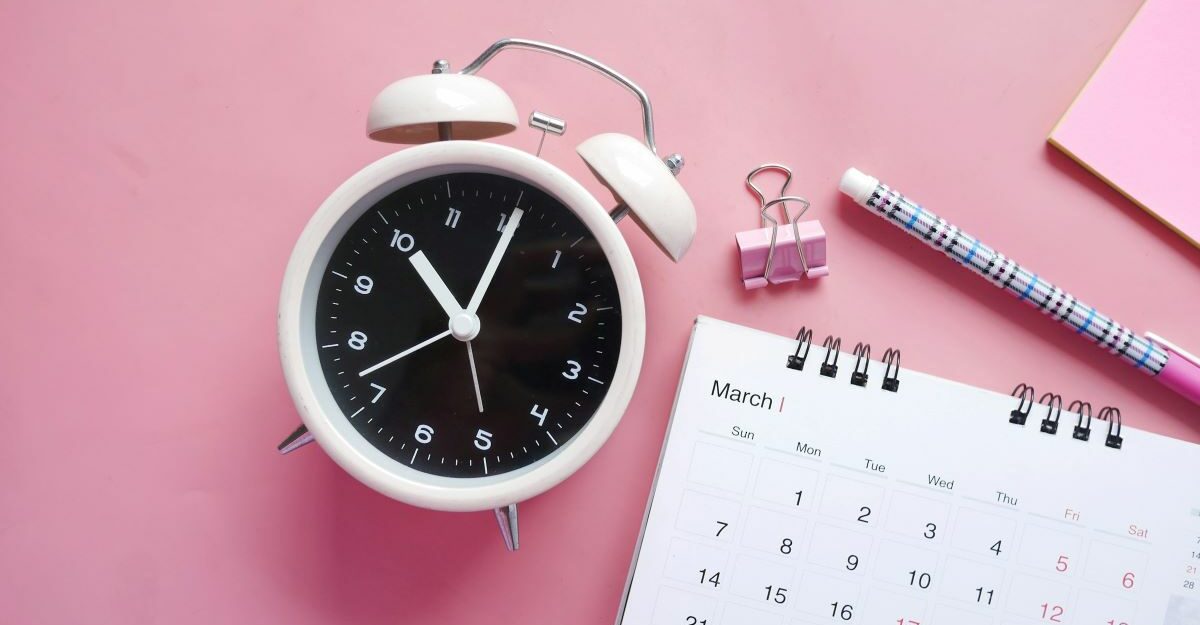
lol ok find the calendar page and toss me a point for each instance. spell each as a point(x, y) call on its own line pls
point(786, 497)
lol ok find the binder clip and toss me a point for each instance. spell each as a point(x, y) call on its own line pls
point(773, 256)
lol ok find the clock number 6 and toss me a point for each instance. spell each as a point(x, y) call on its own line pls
point(483, 440)
point(424, 434)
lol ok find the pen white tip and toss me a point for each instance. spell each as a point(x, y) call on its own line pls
point(857, 185)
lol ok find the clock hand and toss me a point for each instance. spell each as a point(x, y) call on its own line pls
point(474, 376)
point(435, 284)
point(402, 354)
point(490, 270)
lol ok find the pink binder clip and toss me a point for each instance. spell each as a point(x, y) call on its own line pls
point(770, 256)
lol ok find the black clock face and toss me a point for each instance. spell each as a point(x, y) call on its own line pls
point(468, 325)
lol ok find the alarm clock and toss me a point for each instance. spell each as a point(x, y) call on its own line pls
point(461, 323)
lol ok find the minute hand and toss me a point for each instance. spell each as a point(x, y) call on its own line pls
point(490, 271)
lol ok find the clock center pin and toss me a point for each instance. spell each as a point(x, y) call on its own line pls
point(464, 326)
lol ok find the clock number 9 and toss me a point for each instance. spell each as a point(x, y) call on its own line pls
point(424, 434)
point(364, 284)
point(358, 340)
point(483, 440)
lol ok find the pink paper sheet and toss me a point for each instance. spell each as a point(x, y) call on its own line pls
point(1136, 124)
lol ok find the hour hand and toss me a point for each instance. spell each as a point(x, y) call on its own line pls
point(434, 283)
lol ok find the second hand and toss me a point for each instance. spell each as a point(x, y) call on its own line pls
point(475, 376)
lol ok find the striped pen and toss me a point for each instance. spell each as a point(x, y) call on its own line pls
point(1170, 365)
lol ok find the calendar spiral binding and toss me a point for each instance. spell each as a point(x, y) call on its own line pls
point(1053, 402)
point(862, 360)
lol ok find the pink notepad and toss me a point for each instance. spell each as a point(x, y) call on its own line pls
point(1136, 124)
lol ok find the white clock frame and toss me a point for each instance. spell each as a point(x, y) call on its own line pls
point(298, 341)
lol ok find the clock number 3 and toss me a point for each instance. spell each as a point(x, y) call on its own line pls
point(573, 369)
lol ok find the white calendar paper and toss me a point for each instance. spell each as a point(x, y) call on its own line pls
point(786, 497)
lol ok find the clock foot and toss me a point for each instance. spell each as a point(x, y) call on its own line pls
point(506, 517)
point(295, 440)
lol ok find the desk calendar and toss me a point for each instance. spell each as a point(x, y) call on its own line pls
point(785, 496)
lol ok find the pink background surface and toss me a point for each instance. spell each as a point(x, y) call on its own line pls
point(159, 159)
point(1137, 123)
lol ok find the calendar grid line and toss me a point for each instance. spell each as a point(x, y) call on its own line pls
point(729, 439)
point(926, 487)
point(858, 471)
point(1130, 539)
point(989, 503)
point(1056, 520)
point(793, 455)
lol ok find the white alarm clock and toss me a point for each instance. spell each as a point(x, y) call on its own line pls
point(461, 323)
